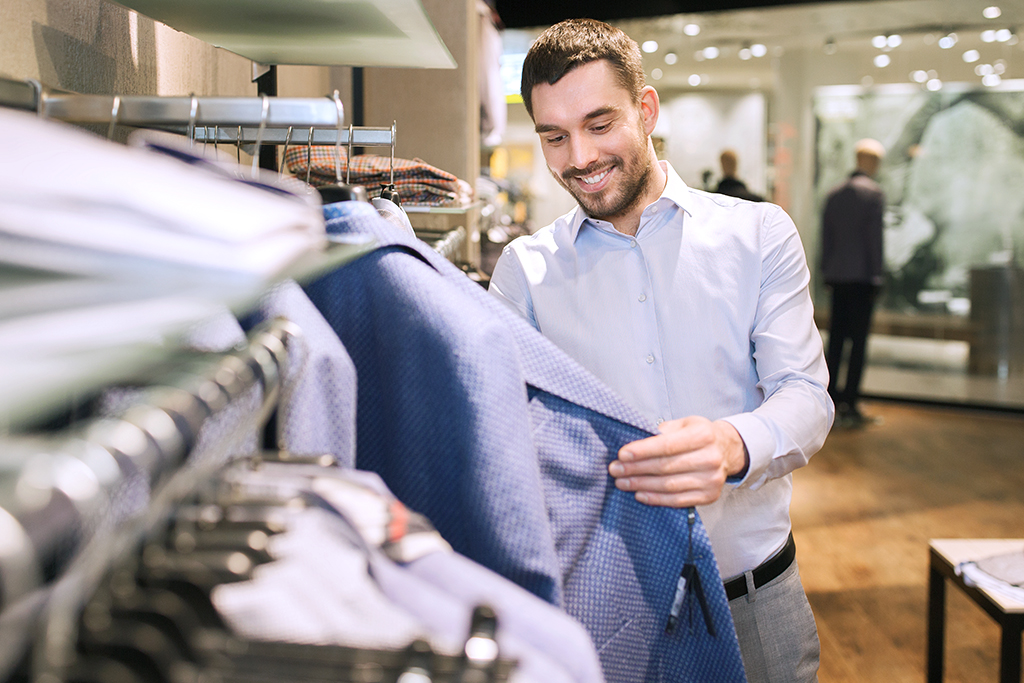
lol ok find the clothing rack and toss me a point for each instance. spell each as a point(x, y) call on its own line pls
point(58, 508)
point(229, 120)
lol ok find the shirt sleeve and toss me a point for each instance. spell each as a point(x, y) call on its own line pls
point(508, 283)
point(791, 424)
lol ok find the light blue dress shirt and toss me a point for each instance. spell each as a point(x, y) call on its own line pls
point(706, 311)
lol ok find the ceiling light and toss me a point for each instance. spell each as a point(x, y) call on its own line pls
point(947, 41)
point(867, 81)
point(988, 36)
point(656, 74)
point(671, 58)
point(999, 66)
point(932, 73)
point(933, 84)
point(972, 56)
point(878, 41)
point(1003, 35)
point(758, 50)
point(882, 61)
point(691, 29)
point(984, 70)
point(895, 40)
point(992, 12)
point(919, 76)
point(745, 53)
point(693, 80)
point(991, 80)
point(711, 52)
point(649, 46)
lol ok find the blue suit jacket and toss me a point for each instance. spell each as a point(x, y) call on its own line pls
point(475, 420)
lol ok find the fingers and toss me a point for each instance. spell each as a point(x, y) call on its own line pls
point(681, 467)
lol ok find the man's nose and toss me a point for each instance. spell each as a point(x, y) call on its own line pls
point(583, 152)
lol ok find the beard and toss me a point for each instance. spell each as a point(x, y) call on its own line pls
point(618, 198)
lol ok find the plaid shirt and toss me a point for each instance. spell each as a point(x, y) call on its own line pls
point(415, 181)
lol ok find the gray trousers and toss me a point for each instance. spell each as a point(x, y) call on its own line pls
point(776, 630)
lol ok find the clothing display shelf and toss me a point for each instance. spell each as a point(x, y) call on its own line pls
point(228, 120)
point(66, 501)
point(379, 33)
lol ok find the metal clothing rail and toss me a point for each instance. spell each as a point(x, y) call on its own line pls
point(230, 120)
point(57, 510)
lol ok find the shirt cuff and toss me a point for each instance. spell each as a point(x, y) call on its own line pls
point(760, 445)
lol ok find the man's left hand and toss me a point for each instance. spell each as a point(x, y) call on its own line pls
point(685, 465)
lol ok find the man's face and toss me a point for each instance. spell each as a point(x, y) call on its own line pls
point(594, 138)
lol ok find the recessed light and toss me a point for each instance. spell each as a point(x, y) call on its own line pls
point(671, 58)
point(656, 74)
point(878, 42)
point(649, 46)
point(992, 12)
point(694, 79)
point(882, 61)
point(691, 29)
point(711, 52)
point(972, 56)
point(758, 50)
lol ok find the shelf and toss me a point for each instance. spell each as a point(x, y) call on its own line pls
point(385, 33)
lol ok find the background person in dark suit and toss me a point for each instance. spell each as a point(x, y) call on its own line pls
point(730, 184)
point(851, 263)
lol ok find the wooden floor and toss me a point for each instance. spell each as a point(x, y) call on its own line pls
point(863, 512)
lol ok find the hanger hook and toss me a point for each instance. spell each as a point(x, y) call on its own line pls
point(337, 140)
point(394, 127)
point(238, 145)
point(309, 154)
point(192, 115)
point(259, 136)
point(113, 117)
point(216, 139)
point(348, 155)
point(284, 152)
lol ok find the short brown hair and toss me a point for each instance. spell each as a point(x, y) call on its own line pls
point(575, 42)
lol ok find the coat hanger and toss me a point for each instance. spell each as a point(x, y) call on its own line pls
point(341, 192)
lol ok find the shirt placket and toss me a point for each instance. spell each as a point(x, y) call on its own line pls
point(651, 351)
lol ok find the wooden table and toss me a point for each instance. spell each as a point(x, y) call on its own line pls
point(945, 555)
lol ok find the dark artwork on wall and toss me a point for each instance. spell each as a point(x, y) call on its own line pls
point(954, 183)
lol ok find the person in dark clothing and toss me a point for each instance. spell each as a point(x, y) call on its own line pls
point(730, 184)
point(851, 263)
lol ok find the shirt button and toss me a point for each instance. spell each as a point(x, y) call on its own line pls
point(650, 358)
point(632, 244)
point(642, 298)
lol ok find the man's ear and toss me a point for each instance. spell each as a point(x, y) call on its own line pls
point(650, 107)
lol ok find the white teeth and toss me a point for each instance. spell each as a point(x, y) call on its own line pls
point(596, 179)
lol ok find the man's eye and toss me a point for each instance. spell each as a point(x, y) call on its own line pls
point(602, 128)
point(555, 139)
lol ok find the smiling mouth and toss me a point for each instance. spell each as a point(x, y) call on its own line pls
point(594, 181)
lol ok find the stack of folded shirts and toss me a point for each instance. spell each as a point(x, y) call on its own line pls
point(416, 181)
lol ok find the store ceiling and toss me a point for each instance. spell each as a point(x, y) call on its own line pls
point(841, 28)
point(531, 13)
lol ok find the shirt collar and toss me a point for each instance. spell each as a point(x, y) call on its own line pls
point(675, 192)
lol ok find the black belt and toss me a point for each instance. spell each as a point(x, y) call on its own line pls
point(765, 572)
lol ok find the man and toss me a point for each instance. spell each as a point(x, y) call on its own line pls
point(730, 184)
point(695, 308)
point(851, 263)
